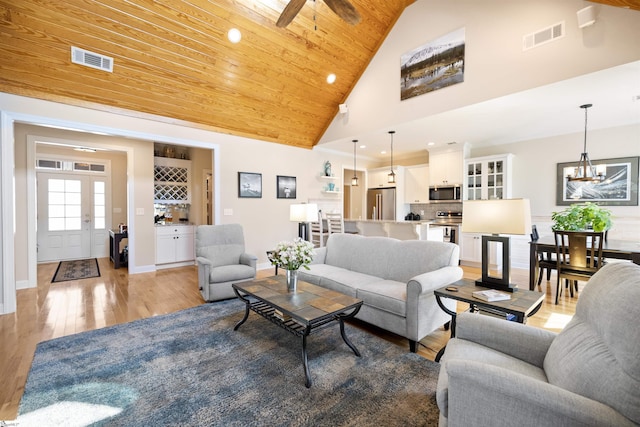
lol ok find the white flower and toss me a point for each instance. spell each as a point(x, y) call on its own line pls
point(292, 255)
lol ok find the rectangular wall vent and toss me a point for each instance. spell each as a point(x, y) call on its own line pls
point(91, 59)
point(543, 36)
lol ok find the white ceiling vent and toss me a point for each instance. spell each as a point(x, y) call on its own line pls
point(543, 36)
point(91, 59)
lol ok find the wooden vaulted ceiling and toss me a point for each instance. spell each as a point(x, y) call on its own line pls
point(173, 61)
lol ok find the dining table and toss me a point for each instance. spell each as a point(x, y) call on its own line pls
point(616, 249)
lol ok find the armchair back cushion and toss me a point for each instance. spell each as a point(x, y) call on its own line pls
point(597, 353)
point(221, 244)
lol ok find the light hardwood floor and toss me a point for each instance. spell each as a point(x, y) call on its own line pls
point(54, 310)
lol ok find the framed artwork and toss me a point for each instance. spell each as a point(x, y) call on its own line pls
point(619, 188)
point(437, 64)
point(286, 187)
point(250, 185)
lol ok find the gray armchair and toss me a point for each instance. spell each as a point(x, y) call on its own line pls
point(501, 373)
point(221, 260)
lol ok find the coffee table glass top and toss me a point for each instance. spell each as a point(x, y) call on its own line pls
point(308, 303)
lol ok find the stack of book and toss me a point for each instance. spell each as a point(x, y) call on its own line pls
point(491, 295)
point(280, 315)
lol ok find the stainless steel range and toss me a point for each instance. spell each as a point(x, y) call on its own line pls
point(450, 222)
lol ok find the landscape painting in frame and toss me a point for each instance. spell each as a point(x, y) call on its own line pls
point(249, 185)
point(619, 188)
point(433, 66)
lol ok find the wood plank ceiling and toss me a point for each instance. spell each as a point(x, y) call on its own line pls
point(173, 61)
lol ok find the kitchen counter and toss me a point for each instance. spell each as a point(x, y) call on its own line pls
point(404, 230)
point(169, 224)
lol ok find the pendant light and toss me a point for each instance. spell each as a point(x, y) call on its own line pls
point(585, 171)
point(354, 180)
point(391, 178)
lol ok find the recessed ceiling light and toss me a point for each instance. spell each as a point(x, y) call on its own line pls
point(331, 78)
point(234, 35)
point(363, 146)
point(431, 144)
point(383, 152)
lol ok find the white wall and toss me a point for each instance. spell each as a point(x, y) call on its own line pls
point(495, 64)
point(534, 171)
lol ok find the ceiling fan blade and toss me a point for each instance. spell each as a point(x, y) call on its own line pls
point(344, 10)
point(290, 11)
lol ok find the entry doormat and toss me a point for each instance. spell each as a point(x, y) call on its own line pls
point(76, 270)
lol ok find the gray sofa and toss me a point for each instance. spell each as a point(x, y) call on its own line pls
point(502, 373)
point(395, 279)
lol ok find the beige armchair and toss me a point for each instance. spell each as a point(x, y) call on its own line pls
point(222, 260)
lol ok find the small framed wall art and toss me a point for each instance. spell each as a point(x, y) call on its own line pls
point(286, 187)
point(250, 185)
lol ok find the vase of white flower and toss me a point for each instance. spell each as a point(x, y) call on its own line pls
point(291, 256)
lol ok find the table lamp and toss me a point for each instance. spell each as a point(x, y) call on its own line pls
point(494, 217)
point(303, 214)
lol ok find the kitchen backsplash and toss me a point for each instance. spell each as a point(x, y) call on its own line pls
point(430, 209)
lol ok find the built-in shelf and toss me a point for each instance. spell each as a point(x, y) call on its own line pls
point(330, 192)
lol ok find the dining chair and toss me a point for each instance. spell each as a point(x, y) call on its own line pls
point(319, 233)
point(578, 257)
point(335, 223)
point(546, 261)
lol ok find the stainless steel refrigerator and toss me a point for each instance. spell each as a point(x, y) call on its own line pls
point(381, 203)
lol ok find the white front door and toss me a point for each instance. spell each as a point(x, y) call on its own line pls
point(71, 217)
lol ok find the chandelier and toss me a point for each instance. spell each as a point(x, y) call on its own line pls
point(354, 180)
point(585, 171)
point(391, 178)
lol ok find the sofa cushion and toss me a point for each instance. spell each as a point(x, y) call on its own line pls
point(459, 349)
point(389, 259)
point(336, 278)
point(596, 354)
point(385, 295)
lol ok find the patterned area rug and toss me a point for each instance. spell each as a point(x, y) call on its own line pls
point(191, 369)
point(76, 270)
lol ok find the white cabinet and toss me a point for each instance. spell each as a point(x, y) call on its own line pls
point(471, 251)
point(171, 180)
point(445, 168)
point(416, 184)
point(174, 244)
point(488, 178)
point(379, 178)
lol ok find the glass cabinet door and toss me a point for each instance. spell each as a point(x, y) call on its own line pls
point(495, 179)
point(474, 181)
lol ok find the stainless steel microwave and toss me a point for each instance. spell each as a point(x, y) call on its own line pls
point(447, 193)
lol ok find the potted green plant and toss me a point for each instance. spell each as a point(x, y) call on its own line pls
point(582, 216)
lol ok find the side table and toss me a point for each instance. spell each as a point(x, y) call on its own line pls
point(114, 247)
point(523, 303)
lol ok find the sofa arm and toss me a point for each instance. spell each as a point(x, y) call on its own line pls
point(319, 255)
point(204, 271)
point(515, 339)
point(428, 282)
point(249, 260)
point(481, 394)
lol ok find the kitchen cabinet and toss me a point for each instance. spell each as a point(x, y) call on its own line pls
point(416, 184)
point(488, 177)
point(379, 178)
point(171, 180)
point(174, 244)
point(445, 168)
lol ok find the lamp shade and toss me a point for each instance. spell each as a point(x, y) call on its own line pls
point(304, 212)
point(501, 216)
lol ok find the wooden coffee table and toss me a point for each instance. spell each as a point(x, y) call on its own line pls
point(523, 303)
point(299, 312)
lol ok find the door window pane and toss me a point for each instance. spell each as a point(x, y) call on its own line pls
point(99, 209)
point(64, 204)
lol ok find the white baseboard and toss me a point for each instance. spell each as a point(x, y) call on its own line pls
point(23, 284)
